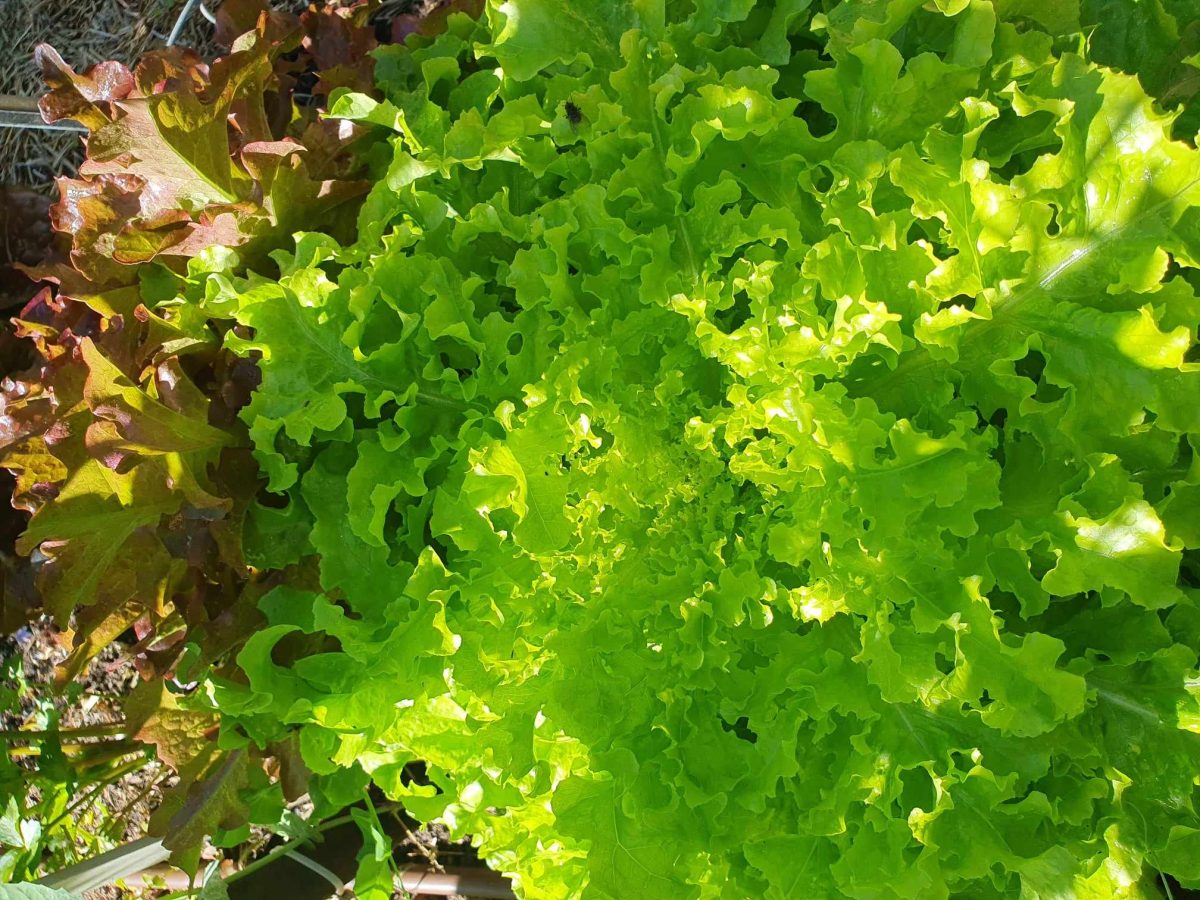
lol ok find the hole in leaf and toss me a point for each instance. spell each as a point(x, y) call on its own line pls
point(395, 524)
point(820, 123)
point(435, 542)
point(1013, 143)
point(355, 407)
point(1031, 366)
point(503, 519)
point(1041, 559)
point(822, 179)
point(963, 300)
point(1053, 227)
point(786, 576)
point(291, 450)
point(350, 613)
point(598, 430)
point(916, 232)
point(1184, 453)
point(462, 360)
point(381, 327)
point(294, 646)
point(1189, 568)
point(1047, 392)
point(941, 250)
point(735, 316)
point(414, 773)
point(273, 501)
point(916, 790)
point(741, 729)
point(888, 198)
point(1008, 609)
point(388, 410)
point(506, 300)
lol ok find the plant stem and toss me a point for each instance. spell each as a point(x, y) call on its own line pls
point(271, 856)
point(105, 730)
point(118, 749)
point(378, 824)
point(114, 774)
point(275, 853)
point(97, 787)
point(142, 795)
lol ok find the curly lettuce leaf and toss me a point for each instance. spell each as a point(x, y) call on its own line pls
point(749, 449)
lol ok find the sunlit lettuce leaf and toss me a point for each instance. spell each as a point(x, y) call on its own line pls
point(750, 450)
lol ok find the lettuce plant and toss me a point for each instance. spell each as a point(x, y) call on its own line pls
point(750, 450)
point(124, 434)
